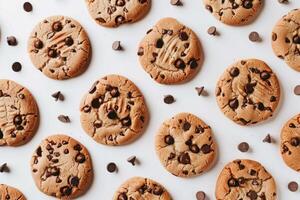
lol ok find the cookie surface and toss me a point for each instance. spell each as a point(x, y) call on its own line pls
point(245, 179)
point(248, 92)
point(170, 52)
point(290, 143)
point(10, 193)
point(185, 146)
point(234, 12)
point(19, 115)
point(59, 47)
point(286, 39)
point(113, 13)
point(62, 167)
point(114, 111)
point(141, 188)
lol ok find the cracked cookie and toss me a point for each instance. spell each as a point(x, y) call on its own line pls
point(10, 193)
point(170, 53)
point(185, 145)
point(141, 188)
point(234, 12)
point(113, 13)
point(248, 92)
point(114, 111)
point(61, 167)
point(286, 39)
point(247, 180)
point(290, 143)
point(59, 47)
point(19, 115)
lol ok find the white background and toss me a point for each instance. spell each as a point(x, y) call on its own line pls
point(221, 51)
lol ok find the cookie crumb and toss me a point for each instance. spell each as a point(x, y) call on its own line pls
point(64, 118)
point(254, 37)
point(293, 186)
point(243, 147)
point(169, 99)
point(4, 168)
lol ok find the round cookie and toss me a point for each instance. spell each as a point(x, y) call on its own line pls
point(234, 12)
point(10, 193)
point(185, 145)
point(286, 39)
point(59, 47)
point(170, 53)
point(19, 115)
point(290, 143)
point(62, 167)
point(248, 92)
point(245, 179)
point(141, 188)
point(113, 13)
point(114, 112)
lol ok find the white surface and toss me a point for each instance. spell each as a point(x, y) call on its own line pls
point(219, 51)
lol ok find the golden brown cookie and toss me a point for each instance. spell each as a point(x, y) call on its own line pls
point(10, 193)
point(248, 92)
point(185, 145)
point(247, 180)
point(114, 111)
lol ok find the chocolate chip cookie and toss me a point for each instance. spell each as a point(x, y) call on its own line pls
point(114, 112)
point(234, 12)
point(286, 39)
point(10, 193)
point(185, 145)
point(248, 92)
point(59, 47)
point(19, 115)
point(290, 143)
point(113, 13)
point(62, 167)
point(170, 52)
point(141, 188)
point(247, 180)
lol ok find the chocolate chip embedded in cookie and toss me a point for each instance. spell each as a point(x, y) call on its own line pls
point(248, 92)
point(245, 179)
point(114, 112)
point(141, 188)
point(62, 167)
point(290, 143)
point(286, 39)
point(10, 193)
point(113, 13)
point(19, 115)
point(234, 12)
point(170, 52)
point(59, 47)
point(185, 145)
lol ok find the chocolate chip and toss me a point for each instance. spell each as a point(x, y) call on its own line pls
point(74, 181)
point(254, 37)
point(159, 43)
point(247, 4)
point(77, 147)
point(267, 139)
point(292, 125)
point(132, 160)
point(252, 195)
point(234, 72)
point(122, 196)
point(252, 172)
point(80, 158)
point(169, 140)
point(16, 67)
point(94, 87)
point(112, 114)
point(200, 195)
point(64, 118)
point(120, 3)
point(117, 46)
point(241, 180)
point(111, 167)
point(243, 147)
point(232, 182)
point(206, 149)
point(69, 41)
point(194, 148)
point(179, 64)
point(296, 39)
point(176, 2)
point(272, 99)
point(212, 30)
point(96, 103)
point(260, 106)
point(38, 44)
point(39, 152)
point(27, 6)
point(186, 126)
point(126, 121)
point(11, 41)
point(249, 89)
point(297, 90)
point(184, 158)
point(209, 8)
point(293, 186)
point(265, 75)
point(233, 104)
point(18, 120)
point(193, 63)
point(114, 92)
point(58, 96)
point(169, 99)
point(66, 191)
point(183, 36)
point(140, 51)
point(57, 26)
point(4, 168)
point(158, 190)
point(295, 141)
point(199, 90)
point(119, 19)
point(52, 53)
